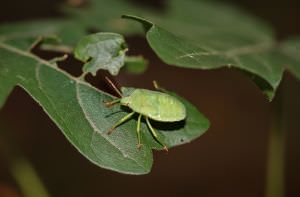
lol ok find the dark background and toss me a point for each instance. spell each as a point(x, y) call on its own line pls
point(229, 160)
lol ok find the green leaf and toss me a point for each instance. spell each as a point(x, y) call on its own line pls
point(77, 109)
point(101, 51)
point(64, 100)
point(24, 34)
point(209, 35)
point(291, 51)
point(194, 21)
point(257, 58)
point(238, 40)
point(5, 88)
point(136, 64)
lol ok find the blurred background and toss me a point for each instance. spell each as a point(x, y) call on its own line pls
point(228, 160)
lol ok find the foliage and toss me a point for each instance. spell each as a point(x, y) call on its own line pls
point(77, 109)
point(191, 34)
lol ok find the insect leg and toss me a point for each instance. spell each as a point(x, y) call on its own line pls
point(122, 120)
point(158, 87)
point(111, 103)
point(155, 134)
point(138, 131)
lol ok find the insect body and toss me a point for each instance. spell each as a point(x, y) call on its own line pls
point(155, 105)
point(149, 104)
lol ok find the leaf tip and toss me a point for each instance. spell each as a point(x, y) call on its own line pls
point(147, 24)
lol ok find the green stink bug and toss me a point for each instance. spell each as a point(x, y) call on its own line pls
point(155, 105)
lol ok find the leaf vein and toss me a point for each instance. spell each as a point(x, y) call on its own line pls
point(96, 130)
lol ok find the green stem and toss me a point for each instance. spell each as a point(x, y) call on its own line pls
point(21, 169)
point(27, 178)
point(276, 154)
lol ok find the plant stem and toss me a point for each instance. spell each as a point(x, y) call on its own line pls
point(275, 185)
point(27, 178)
point(21, 169)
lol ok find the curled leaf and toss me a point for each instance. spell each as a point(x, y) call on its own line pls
point(101, 51)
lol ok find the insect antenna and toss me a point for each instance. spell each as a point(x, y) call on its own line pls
point(113, 86)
